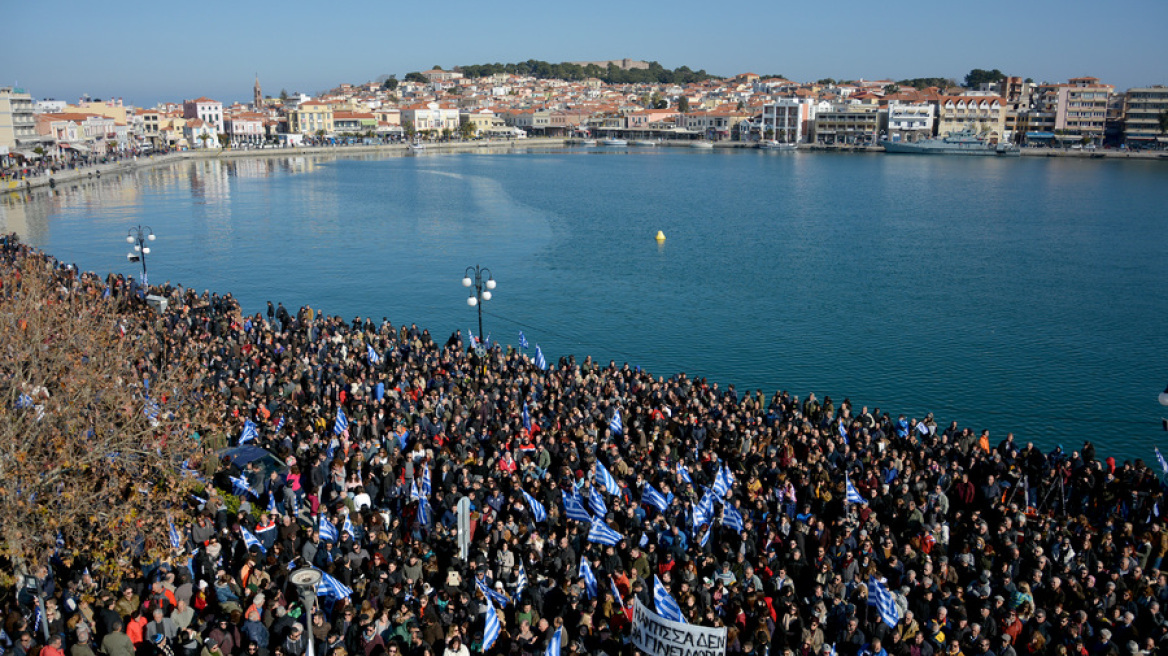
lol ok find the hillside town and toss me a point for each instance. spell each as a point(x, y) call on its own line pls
point(1082, 112)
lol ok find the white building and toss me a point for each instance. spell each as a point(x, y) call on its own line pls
point(788, 119)
point(206, 110)
point(909, 121)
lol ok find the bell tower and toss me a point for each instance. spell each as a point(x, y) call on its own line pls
point(258, 101)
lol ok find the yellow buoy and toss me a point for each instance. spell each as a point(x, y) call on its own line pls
point(660, 236)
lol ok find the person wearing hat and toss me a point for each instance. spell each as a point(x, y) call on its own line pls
point(211, 648)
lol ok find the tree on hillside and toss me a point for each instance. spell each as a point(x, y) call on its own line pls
point(390, 83)
point(97, 416)
point(978, 77)
point(683, 104)
point(415, 76)
point(926, 82)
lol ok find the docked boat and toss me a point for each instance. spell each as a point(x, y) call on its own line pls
point(701, 144)
point(612, 141)
point(771, 144)
point(588, 142)
point(417, 148)
point(643, 142)
point(964, 142)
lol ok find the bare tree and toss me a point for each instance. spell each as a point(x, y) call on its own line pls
point(96, 418)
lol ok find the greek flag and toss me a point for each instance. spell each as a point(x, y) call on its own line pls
point(272, 503)
point(651, 497)
point(574, 509)
point(1161, 460)
point(684, 473)
point(342, 423)
point(706, 538)
point(24, 401)
point(240, 487)
point(596, 503)
point(723, 482)
point(249, 432)
point(553, 648)
point(881, 598)
point(616, 593)
point(522, 340)
point(526, 417)
point(606, 479)
point(731, 518)
point(347, 527)
point(279, 424)
point(589, 579)
point(704, 510)
point(469, 334)
point(853, 495)
point(251, 540)
point(332, 588)
point(176, 541)
point(151, 411)
point(666, 606)
point(371, 353)
point(490, 592)
point(415, 492)
point(423, 512)
point(615, 424)
point(327, 531)
point(539, 359)
point(520, 582)
point(538, 512)
point(426, 489)
point(600, 532)
point(491, 631)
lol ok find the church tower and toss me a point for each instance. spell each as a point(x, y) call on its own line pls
point(258, 101)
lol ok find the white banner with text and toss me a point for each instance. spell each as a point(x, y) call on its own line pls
point(658, 636)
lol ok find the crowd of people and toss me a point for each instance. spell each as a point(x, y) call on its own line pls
point(779, 517)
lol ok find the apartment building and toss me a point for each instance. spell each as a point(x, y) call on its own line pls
point(17, 123)
point(1143, 108)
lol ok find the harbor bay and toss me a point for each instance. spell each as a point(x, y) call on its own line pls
point(1015, 295)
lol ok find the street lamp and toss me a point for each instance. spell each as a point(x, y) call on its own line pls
point(138, 236)
point(305, 579)
point(482, 289)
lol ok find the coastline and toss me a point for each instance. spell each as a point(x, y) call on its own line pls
point(94, 173)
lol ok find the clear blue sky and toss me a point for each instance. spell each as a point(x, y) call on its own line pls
point(148, 52)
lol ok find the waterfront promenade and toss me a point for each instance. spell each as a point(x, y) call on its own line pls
point(781, 517)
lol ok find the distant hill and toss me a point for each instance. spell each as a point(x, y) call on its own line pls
point(611, 73)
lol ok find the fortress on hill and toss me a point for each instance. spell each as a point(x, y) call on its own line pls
point(626, 63)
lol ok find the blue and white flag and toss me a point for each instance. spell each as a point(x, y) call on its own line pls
point(706, 537)
point(249, 432)
point(553, 648)
point(683, 473)
point(371, 353)
point(526, 417)
point(279, 424)
point(539, 359)
point(731, 518)
point(1161, 460)
point(616, 592)
point(853, 495)
point(520, 582)
point(347, 527)
point(704, 509)
point(251, 540)
point(327, 531)
point(603, 534)
point(574, 508)
point(332, 588)
point(615, 424)
point(589, 579)
point(492, 628)
point(342, 423)
point(272, 510)
point(723, 481)
point(522, 340)
point(538, 512)
point(415, 491)
point(881, 598)
point(426, 487)
point(666, 606)
point(471, 336)
point(176, 541)
point(423, 511)
point(240, 487)
point(491, 593)
point(24, 402)
point(596, 502)
point(606, 479)
point(650, 496)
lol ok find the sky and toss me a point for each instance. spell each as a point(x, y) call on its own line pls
point(150, 52)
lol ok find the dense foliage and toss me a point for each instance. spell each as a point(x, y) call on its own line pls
point(977, 77)
point(926, 82)
point(613, 74)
